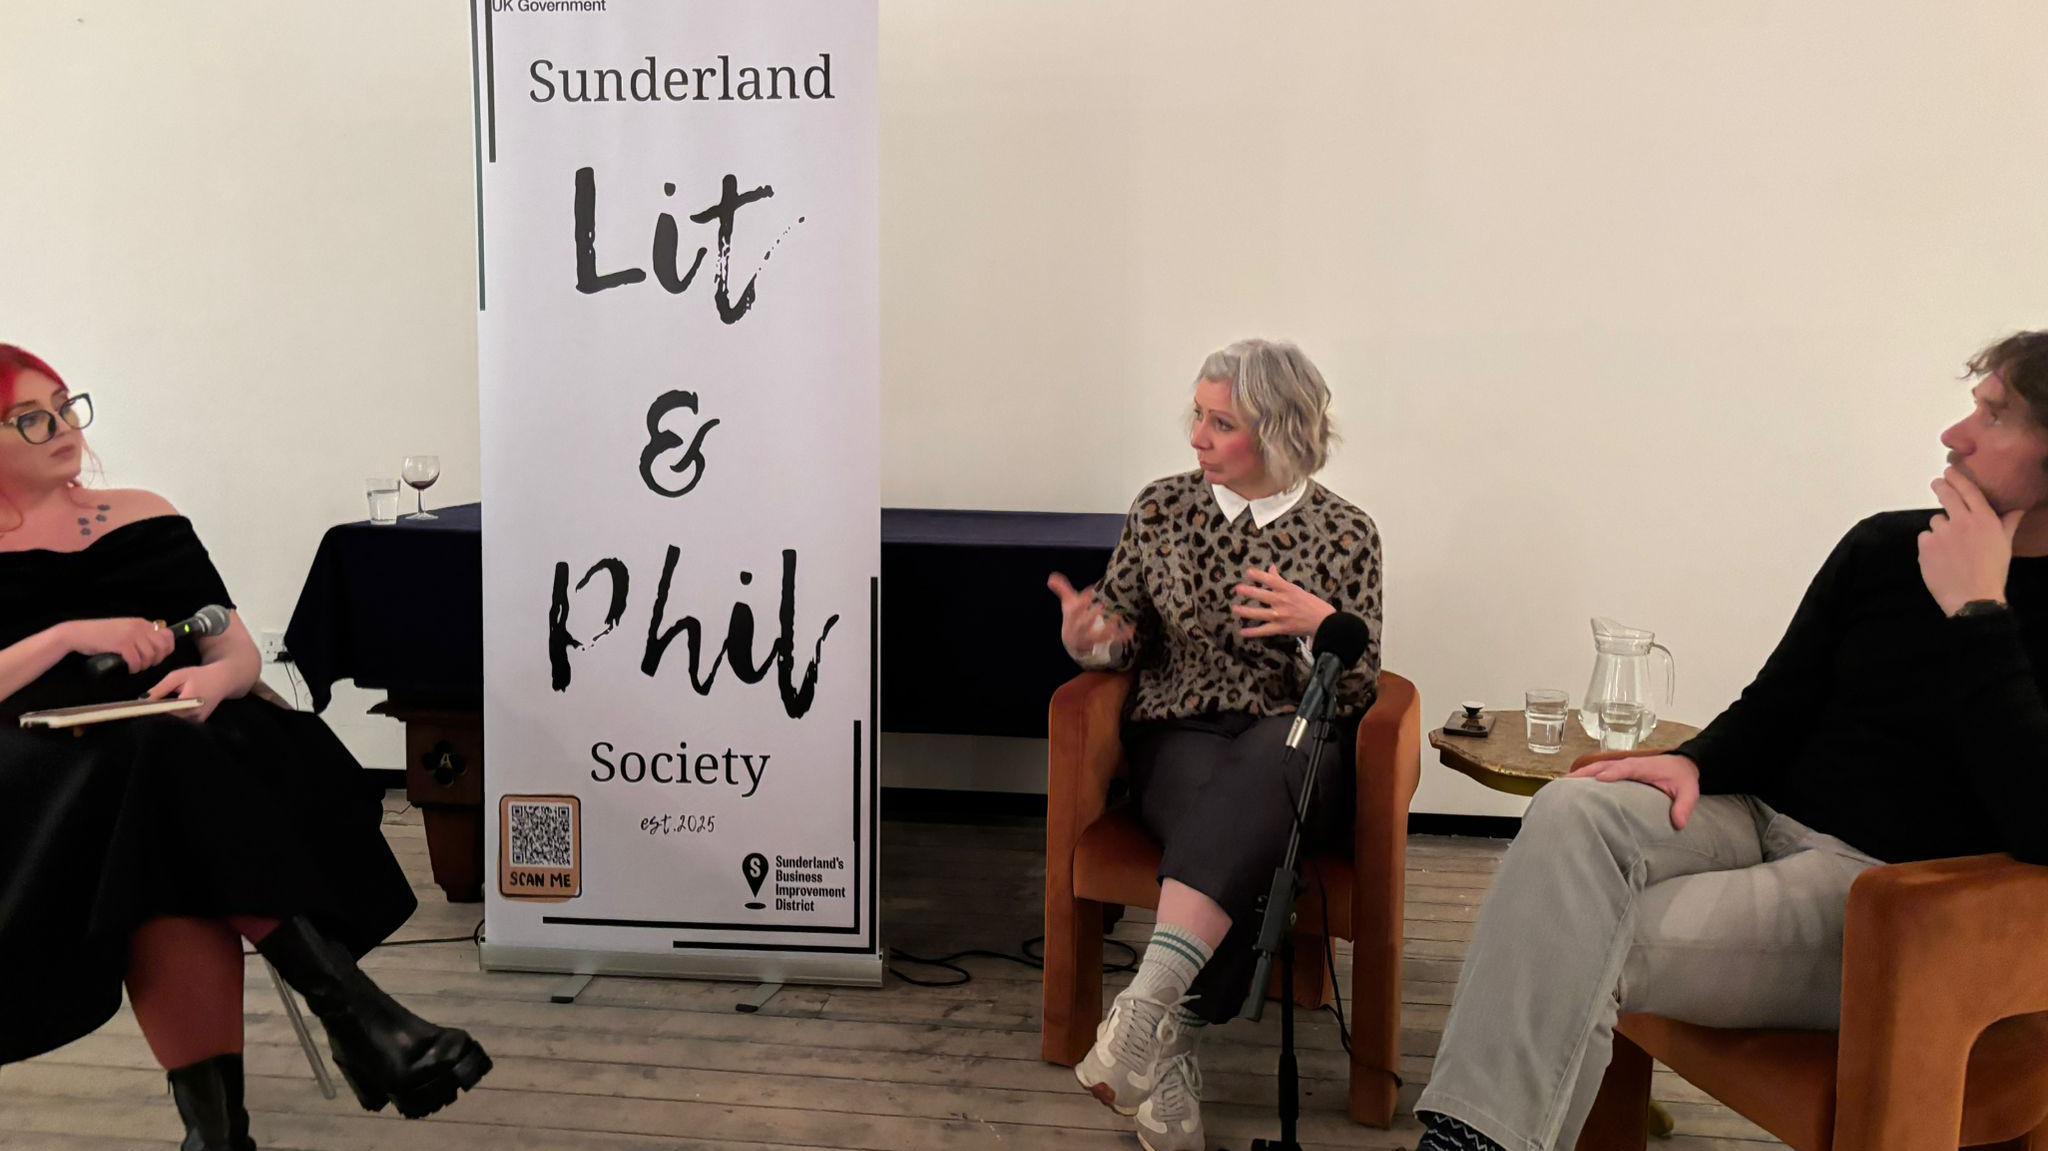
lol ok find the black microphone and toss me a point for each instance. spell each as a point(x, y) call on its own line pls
point(209, 620)
point(1339, 642)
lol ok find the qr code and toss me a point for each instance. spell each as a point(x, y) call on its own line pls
point(542, 834)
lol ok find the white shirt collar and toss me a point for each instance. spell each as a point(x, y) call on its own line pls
point(1265, 509)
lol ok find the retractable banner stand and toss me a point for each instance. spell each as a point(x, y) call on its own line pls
point(681, 429)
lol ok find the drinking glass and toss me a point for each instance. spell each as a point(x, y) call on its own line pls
point(383, 496)
point(1543, 716)
point(421, 472)
point(1621, 724)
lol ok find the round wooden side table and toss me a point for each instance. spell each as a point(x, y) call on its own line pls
point(1502, 760)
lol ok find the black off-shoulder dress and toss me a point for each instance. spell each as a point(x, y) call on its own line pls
point(258, 811)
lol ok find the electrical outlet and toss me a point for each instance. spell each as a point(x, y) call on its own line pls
point(270, 643)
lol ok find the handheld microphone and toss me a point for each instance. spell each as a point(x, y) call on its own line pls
point(209, 620)
point(1339, 642)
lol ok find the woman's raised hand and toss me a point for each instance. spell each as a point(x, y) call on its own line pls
point(1084, 623)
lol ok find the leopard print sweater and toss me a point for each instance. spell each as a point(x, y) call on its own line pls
point(1174, 574)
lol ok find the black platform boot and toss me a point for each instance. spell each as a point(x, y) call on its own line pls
point(238, 1114)
point(209, 1098)
point(387, 1054)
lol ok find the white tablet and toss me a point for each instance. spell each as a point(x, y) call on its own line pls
point(92, 713)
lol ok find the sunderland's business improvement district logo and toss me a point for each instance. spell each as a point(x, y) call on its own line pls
point(755, 868)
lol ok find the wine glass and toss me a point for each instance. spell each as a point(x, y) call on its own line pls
point(419, 473)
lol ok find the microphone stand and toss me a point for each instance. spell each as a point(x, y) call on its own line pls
point(1276, 936)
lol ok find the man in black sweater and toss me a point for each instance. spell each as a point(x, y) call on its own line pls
point(1901, 718)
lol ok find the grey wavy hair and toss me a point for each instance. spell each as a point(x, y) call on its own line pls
point(1276, 387)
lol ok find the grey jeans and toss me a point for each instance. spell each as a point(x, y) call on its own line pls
point(1600, 907)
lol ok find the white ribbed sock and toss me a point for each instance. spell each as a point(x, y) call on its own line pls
point(1172, 960)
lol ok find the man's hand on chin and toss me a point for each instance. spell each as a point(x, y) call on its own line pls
point(1967, 547)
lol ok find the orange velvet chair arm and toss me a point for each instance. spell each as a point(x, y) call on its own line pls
point(1389, 756)
point(1933, 954)
point(1389, 765)
point(1086, 752)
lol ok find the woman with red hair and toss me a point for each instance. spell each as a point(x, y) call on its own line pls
point(142, 852)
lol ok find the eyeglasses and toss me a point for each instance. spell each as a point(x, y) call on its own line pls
point(38, 426)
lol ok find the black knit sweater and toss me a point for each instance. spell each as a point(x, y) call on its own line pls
point(1880, 720)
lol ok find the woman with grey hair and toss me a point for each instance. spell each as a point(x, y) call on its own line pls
point(1221, 577)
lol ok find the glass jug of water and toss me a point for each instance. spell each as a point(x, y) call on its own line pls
point(1622, 671)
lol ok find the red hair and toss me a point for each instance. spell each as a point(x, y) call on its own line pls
point(13, 362)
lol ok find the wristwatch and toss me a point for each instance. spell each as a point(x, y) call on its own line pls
point(1978, 607)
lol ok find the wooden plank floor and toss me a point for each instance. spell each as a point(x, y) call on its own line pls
point(640, 1063)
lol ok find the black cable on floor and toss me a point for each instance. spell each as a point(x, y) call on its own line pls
point(1035, 962)
point(1038, 960)
point(475, 936)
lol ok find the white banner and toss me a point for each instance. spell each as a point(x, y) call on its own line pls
point(680, 389)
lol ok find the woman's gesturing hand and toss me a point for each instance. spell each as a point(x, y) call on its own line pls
point(1278, 607)
point(1084, 623)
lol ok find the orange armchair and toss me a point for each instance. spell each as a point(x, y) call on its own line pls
point(1944, 1036)
point(1093, 858)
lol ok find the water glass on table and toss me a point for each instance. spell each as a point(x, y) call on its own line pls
point(1543, 716)
point(1621, 725)
point(383, 497)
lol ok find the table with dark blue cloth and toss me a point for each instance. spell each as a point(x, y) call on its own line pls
point(396, 608)
point(970, 638)
point(970, 635)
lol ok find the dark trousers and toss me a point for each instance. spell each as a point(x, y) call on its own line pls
point(1218, 792)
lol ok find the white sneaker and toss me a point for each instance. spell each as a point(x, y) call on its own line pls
point(1170, 1119)
point(1120, 1069)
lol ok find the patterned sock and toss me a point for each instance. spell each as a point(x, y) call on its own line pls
point(1444, 1133)
point(1190, 1024)
point(1171, 962)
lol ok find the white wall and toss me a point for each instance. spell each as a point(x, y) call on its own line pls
point(1630, 309)
point(248, 229)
